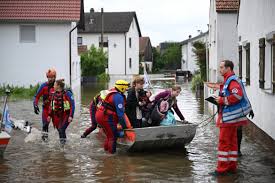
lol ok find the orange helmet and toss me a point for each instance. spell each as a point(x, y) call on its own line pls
point(51, 73)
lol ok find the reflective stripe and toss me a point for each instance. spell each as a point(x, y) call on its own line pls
point(232, 159)
point(233, 152)
point(226, 101)
point(222, 159)
point(237, 120)
point(224, 153)
point(232, 113)
point(237, 96)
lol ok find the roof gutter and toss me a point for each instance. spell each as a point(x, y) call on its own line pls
point(125, 52)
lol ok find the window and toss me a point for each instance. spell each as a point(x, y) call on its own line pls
point(273, 63)
point(262, 63)
point(247, 54)
point(79, 41)
point(270, 63)
point(27, 33)
point(240, 61)
point(130, 42)
point(130, 62)
point(105, 41)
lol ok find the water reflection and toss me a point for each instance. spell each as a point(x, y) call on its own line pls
point(84, 160)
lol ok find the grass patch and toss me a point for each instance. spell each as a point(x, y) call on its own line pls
point(19, 92)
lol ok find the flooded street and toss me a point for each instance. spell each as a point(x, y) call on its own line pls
point(28, 159)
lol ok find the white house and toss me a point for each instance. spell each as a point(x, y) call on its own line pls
point(256, 33)
point(188, 57)
point(121, 34)
point(223, 36)
point(35, 37)
point(222, 40)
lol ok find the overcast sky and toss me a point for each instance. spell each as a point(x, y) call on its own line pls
point(161, 20)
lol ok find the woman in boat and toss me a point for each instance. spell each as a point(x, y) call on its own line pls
point(132, 108)
point(160, 102)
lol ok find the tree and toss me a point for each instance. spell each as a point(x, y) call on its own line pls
point(170, 59)
point(93, 62)
point(200, 52)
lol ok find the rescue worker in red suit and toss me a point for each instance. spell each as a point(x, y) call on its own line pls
point(61, 109)
point(44, 90)
point(233, 108)
point(93, 108)
point(111, 112)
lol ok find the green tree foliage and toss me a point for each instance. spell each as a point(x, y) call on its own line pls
point(93, 62)
point(200, 52)
point(170, 59)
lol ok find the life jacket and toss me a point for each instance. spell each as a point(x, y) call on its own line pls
point(105, 101)
point(59, 102)
point(239, 110)
point(46, 96)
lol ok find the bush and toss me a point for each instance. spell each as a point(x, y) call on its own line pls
point(196, 82)
point(93, 62)
point(103, 77)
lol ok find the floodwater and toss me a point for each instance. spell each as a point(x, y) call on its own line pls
point(28, 159)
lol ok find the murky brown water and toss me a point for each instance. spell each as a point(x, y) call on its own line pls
point(84, 160)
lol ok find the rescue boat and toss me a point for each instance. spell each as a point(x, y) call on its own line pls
point(157, 137)
point(4, 140)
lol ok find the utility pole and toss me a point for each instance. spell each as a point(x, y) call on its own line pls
point(102, 28)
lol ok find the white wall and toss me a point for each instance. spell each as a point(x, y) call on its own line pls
point(26, 63)
point(227, 39)
point(253, 26)
point(184, 56)
point(116, 50)
point(189, 56)
point(132, 52)
point(213, 60)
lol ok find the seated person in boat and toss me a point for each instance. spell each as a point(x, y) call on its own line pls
point(145, 105)
point(161, 110)
point(132, 108)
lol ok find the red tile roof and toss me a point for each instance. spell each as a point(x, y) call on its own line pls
point(227, 5)
point(42, 10)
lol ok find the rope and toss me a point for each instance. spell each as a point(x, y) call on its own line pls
point(209, 119)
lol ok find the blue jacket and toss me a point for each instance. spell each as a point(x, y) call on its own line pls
point(231, 113)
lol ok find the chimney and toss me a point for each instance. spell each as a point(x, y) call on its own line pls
point(92, 10)
point(190, 36)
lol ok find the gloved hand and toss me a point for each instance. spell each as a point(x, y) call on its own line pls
point(36, 109)
point(251, 114)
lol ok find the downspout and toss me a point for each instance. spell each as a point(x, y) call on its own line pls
point(70, 53)
point(125, 52)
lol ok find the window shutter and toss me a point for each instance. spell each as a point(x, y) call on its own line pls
point(247, 50)
point(240, 61)
point(273, 64)
point(262, 62)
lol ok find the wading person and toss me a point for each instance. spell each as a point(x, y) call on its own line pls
point(44, 91)
point(61, 109)
point(233, 108)
point(93, 109)
point(133, 104)
point(111, 112)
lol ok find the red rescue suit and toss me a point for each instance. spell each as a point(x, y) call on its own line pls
point(228, 145)
point(108, 115)
point(44, 90)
